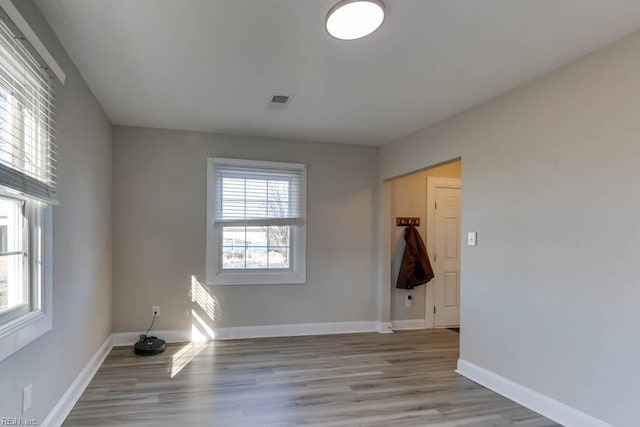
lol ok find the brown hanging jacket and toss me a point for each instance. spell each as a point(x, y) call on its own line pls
point(415, 269)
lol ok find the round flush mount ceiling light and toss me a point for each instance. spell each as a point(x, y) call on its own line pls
point(354, 19)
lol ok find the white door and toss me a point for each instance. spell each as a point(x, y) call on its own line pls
point(447, 257)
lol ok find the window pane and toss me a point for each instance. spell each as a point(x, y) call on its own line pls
point(233, 209)
point(6, 138)
point(280, 236)
point(256, 190)
point(245, 193)
point(233, 198)
point(279, 246)
point(279, 199)
point(234, 236)
point(256, 210)
point(257, 236)
point(278, 257)
point(233, 257)
point(257, 245)
point(266, 247)
point(13, 289)
point(233, 247)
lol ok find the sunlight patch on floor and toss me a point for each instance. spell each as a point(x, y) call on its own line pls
point(185, 355)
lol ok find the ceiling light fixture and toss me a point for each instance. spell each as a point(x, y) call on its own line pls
point(354, 19)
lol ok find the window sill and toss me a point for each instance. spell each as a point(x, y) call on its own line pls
point(261, 278)
point(18, 333)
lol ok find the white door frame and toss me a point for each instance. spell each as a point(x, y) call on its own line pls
point(434, 182)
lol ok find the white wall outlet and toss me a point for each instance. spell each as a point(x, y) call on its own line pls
point(408, 301)
point(155, 310)
point(472, 238)
point(26, 398)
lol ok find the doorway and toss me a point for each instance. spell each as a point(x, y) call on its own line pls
point(443, 245)
point(406, 196)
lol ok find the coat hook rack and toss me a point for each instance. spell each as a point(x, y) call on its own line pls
point(405, 221)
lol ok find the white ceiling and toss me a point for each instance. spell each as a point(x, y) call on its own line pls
point(213, 65)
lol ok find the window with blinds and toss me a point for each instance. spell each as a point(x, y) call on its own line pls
point(27, 181)
point(258, 215)
point(27, 150)
point(258, 193)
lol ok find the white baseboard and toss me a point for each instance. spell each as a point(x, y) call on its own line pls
point(544, 405)
point(58, 414)
point(129, 338)
point(294, 330)
point(261, 331)
point(400, 325)
point(384, 327)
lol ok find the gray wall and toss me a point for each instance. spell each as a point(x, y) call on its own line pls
point(550, 295)
point(81, 246)
point(159, 188)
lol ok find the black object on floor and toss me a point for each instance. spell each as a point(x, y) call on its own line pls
point(149, 346)
point(454, 329)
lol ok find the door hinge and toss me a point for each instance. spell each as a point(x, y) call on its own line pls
point(435, 257)
point(436, 205)
point(434, 309)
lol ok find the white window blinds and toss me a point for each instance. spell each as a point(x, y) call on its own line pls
point(258, 193)
point(27, 150)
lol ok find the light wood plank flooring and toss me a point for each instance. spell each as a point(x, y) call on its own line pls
point(401, 379)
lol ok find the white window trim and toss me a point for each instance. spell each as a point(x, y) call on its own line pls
point(214, 274)
point(19, 332)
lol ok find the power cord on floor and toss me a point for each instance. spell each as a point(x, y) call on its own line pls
point(146, 334)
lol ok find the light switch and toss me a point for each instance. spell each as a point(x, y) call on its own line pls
point(472, 238)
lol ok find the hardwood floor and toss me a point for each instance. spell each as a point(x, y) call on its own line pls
point(401, 379)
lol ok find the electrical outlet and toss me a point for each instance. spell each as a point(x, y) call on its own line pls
point(155, 310)
point(408, 301)
point(26, 398)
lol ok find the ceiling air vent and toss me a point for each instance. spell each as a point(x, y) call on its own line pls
point(280, 102)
